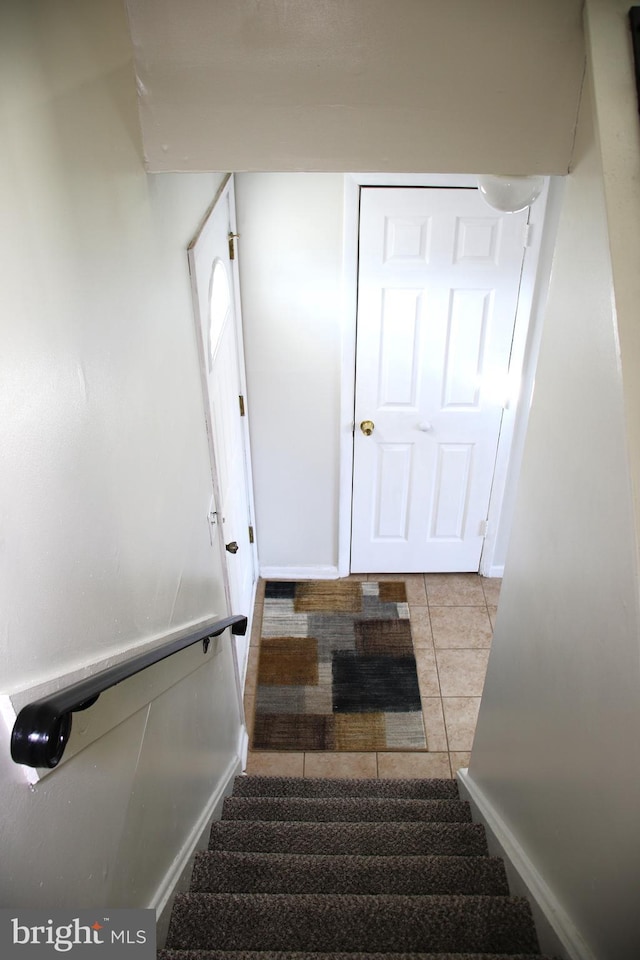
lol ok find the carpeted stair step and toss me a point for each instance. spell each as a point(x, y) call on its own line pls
point(363, 839)
point(351, 923)
point(228, 872)
point(317, 787)
point(278, 955)
point(345, 809)
point(340, 869)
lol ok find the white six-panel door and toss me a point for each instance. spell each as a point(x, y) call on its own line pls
point(439, 275)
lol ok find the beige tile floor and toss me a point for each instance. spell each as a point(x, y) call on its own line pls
point(452, 617)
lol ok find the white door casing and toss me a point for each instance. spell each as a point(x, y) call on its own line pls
point(215, 289)
point(438, 290)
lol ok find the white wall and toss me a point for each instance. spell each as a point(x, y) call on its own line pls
point(290, 268)
point(105, 480)
point(555, 753)
point(413, 85)
point(616, 106)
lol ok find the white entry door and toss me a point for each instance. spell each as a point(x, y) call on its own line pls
point(216, 295)
point(439, 275)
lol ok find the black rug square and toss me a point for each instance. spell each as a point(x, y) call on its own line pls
point(280, 589)
point(374, 684)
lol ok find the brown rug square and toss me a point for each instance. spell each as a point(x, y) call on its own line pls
point(290, 660)
point(331, 596)
point(337, 668)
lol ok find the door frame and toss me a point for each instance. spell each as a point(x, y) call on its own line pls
point(526, 338)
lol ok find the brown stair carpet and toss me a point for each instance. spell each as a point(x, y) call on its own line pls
point(315, 869)
point(312, 787)
point(271, 955)
point(348, 810)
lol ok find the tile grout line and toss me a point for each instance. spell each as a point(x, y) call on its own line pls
point(435, 657)
point(444, 724)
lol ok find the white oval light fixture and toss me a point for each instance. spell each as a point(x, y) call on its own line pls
point(510, 193)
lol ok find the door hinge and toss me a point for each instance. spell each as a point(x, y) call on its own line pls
point(484, 528)
point(241, 402)
point(232, 246)
point(250, 534)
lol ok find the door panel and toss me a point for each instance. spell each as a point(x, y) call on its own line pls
point(219, 331)
point(438, 289)
point(451, 491)
point(393, 489)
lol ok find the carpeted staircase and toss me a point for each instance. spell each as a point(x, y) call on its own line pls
point(306, 869)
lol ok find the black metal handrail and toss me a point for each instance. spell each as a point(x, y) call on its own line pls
point(42, 728)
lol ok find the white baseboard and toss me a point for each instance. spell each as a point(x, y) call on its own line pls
point(243, 747)
point(557, 933)
point(178, 877)
point(495, 571)
point(299, 573)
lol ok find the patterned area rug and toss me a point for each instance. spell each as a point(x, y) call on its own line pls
point(337, 669)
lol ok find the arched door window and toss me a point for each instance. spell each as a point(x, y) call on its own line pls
point(219, 306)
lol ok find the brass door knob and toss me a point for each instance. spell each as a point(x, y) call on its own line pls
point(232, 547)
point(367, 427)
